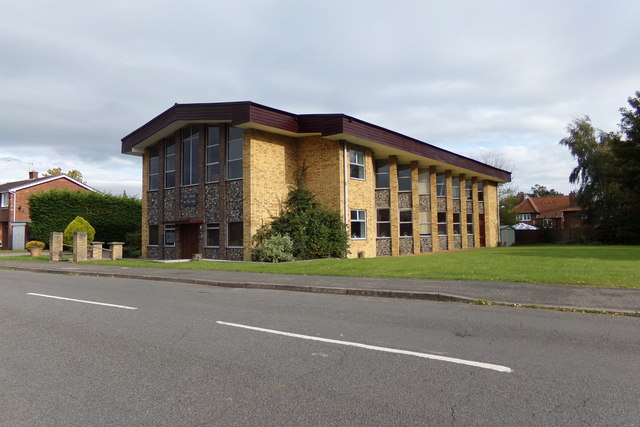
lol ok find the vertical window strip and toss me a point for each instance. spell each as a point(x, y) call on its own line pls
point(234, 153)
point(424, 186)
point(383, 223)
point(425, 223)
point(356, 164)
point(406, 222)
point(404, 178)
point(170, 164)
point(382, 174)
point(455, 187)
point(154, 169)
point(441, 185)
point(213, 235)
point(190, 155)
point(213, 154)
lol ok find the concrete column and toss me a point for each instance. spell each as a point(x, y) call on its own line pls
point(79, 246)
point(116, 250)
point(55, 246)
point(96, 250)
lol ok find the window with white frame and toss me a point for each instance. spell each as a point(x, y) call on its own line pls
point(169, 235)
point(441, 185)
point(234, 153)
point(213, 154)
point(523, 217)
point(190, 155)
point(480, 191)
point(170, 164)
point(356, 163)
point(456, 223)
point(4, 200)
point(383, 223)
point(425, 223)
point(213, 235)
point(404, 178)
point(442, 223)
point(468, 189)
point(455, 187)
point(406, 222)
point(358, 224)
point(469, 223)
point(424, 186)
point(154, 168)
point(382, 174)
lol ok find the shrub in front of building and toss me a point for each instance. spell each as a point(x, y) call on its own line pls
point(79, 224)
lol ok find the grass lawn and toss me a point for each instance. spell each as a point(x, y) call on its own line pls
point(617, 266)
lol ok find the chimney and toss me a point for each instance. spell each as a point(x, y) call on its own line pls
point(33, 175)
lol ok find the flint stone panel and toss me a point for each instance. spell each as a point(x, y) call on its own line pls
point(153, 252)
point(235, 254)
point(404, 200)
point(383, 198)
point(383, 247)
point(442, 204)
point(406, 245)
point(153, 207)
point(457, 242)
point(170, 205)
point(456, 205)
point(442, 243)
point(469, 206)
point(234, 204)
point(426, 244)
point(470, 240)
point(212, 205)
point(212, 253)
point(425, 203)
point(170, 253)
point(481, 207)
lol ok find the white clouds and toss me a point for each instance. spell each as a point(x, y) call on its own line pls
point(77, 76)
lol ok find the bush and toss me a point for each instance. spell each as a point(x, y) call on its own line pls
point(77, 225)
point(33, 244)
point(274, 248)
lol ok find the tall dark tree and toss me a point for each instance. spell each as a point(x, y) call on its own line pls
point(607, 172)
point(541, 191)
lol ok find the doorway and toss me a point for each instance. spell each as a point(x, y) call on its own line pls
point(189, 240)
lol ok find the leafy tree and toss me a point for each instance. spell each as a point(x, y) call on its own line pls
point(607, 172)
point(508, 204)
point(73, 173)
point(508, 193)
point(542, 191)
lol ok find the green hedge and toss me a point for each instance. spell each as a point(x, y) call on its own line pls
point(113, 217)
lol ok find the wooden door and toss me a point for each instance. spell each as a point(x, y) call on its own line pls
point(189, 240)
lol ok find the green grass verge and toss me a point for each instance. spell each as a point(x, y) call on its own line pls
point(614, 266)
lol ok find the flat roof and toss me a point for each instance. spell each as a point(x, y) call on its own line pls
point(249, 115)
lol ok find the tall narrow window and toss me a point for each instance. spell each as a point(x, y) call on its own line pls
point(456, 223)
point(234, 153)
point(469, 189)
point(404, 178)
point(356, 163)
point(213, 154)
point(213, 235)
point(4, 200)
point(170, 164)
point(154, 169)
point(190, 155)
point(469, 223)
point(169, 235)
point(153, 235)
point(406, 222)
point(442, 223)
point(425, 223)
point(423, 182)
point(441, 185)
point(358, 224)
point(480, 191)
point(234, 234)
point(455, 187)
point(382, 174)
point(384, 223)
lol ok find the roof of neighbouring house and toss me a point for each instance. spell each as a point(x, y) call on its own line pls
point(249, 115)
point(25, 183)
point(547, 207)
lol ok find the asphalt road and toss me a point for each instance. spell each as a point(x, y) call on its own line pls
point(176, 354)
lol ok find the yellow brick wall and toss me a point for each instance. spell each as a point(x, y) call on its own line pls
point(322, 159)
point(270, 167)
point(491, 213)
point(362, 196)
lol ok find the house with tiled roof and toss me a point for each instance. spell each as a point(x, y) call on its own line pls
point(214, 173)
point(557, 212)
point(14, 205)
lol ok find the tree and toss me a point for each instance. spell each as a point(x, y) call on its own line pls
point(508, 193)
point(541, 191)
point(607, 171)
point(73, 173)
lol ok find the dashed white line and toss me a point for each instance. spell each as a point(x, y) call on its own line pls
point(472, 363)
point(82, 301)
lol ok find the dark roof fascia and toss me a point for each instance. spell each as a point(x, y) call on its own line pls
point(243, 112)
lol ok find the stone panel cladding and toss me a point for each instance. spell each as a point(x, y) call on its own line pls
point(406, 245)
point(153, 208)
point(426, 244)
point(404, 200)
point(235, 254)
point(361, 194)
point(442, 243)
point(383, 247)
point(469, 206)
point(383, 198)
point(170, 252)
point(212, 203)
point(153, 252)
point(442, 204)
point(234, 200)
point(456, 205)
point(481, 207)
point(211, 253)
point(170, 214)
point(470, 241)
point(425, 202)
point(457, 241)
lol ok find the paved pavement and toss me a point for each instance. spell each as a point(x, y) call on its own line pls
point(610, 300)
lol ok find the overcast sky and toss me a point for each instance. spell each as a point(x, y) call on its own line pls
point(472, 77)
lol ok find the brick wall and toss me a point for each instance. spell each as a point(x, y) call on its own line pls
point(22, 196)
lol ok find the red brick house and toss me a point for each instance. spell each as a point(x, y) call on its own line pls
point(557, 212)
point(14, 205)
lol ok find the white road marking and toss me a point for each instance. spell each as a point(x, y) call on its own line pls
point(83, 301)
point(483, 365)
